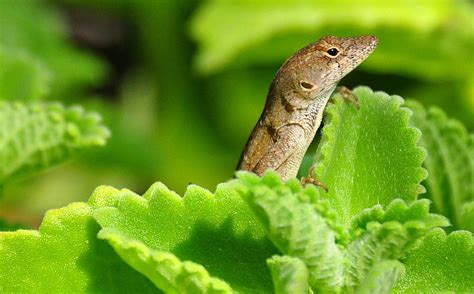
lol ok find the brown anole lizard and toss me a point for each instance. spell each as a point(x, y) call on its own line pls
point(296, 101)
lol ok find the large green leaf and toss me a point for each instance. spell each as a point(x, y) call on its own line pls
point(440, 264)
point(65, 256)
point(368, 156)
point(243, 31)
point(216, 231)
point(450, 164)
point(38, 135)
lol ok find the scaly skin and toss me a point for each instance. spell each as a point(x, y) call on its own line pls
point(296, 101)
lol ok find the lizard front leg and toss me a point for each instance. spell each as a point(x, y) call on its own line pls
point(284, 154)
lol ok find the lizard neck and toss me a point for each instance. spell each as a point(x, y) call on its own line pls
point(311, 116)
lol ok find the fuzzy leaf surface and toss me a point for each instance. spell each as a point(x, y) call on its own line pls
point(216, 231)
point(382, 277)
point(166, 271)
point(290, 274)
point(386, 234)
point(450, 164)
point(440, 263)
point(65, 256)
point(292, 223)
point(37, 135)
point(368, 156)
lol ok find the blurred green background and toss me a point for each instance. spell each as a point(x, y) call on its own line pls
point(180, 84)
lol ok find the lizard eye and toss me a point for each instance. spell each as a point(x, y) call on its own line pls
point(306, 86)
point(332, 52)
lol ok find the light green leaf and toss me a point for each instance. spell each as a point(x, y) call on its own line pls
point(38, 135)
point(21, 77)
point(382, 278)
point(65, 256)
point(440, 264)
point(242, 31)
point(217, 231)
point(385, 235)
point(450, 164)
point(166, 271)
point(368, 156)
point(286, 212)
point(290, 274)
point(398, 211)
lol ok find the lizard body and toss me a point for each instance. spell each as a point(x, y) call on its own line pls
point(296, 101)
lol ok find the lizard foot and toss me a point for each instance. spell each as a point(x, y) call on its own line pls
point(349, 96)
point(311, 180)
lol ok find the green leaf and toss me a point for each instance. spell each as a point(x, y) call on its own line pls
point(440, 264)
point(38, 135)
point(22, 77)
point(303, 226)
point(65, 256)
point(450, 164)
point(290, 274)
point(217, 231)
point(398, 211)
point(292, 223)
point(243, 32)
point(368, 156)
point(385, 235)
point(166, 271)
point(382, 277)
point(47, 42)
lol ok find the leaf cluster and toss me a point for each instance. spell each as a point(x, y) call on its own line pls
point(261, 235)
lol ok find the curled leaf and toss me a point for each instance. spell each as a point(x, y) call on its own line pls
point(295, 227)
point(65, 256)
point(290, 274)
point(164, 269)
point(37, 135)
point(450, 164)
point(216, 231)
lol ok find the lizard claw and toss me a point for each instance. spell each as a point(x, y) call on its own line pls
point(311, 180)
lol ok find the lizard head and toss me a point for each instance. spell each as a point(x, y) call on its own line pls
point(316, 69)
